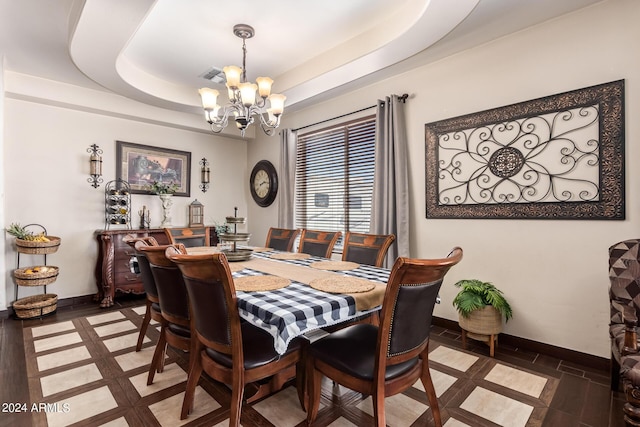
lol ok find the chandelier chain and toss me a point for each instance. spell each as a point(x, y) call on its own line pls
point(244, 59)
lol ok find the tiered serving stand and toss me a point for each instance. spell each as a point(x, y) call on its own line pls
point(234, 253)
point(40, 275)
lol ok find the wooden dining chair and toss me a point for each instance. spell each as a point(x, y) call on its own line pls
point(370, 249)
point(175, 325)
point(281, 239)
point(318, 243)
point(228, 350)
point(387, 359)
point(189, 236)
point(152, 310)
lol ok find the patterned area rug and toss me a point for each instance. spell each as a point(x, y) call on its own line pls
point(86, 372)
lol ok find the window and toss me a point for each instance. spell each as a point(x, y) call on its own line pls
point(334, 177)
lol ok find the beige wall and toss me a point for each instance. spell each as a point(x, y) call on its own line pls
point(553, 272)
point(46, 169)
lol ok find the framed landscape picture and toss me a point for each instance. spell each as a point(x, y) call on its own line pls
point(141, 165)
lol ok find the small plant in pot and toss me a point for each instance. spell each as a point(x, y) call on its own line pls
point(481, 307)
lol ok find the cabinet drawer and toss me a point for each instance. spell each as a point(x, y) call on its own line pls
point(130, 287)
point(125, 277)
point(122, 264)
point(124, 255)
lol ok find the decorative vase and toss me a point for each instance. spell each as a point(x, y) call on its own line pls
point(167, 201)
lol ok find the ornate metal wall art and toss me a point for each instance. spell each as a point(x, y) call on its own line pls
point(557, 157)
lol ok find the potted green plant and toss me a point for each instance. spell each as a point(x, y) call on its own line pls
point(481, 307)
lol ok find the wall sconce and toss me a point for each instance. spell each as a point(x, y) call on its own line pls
point(95, 166)
point(204, 175)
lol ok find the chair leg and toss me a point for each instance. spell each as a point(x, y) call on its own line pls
point(431, 392)
point(143, 327)
point(158, 355)
point(237, 393)
point(164, 352)
point(378, 406)
point(195, 372)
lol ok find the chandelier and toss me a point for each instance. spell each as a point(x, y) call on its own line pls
point(247, 101)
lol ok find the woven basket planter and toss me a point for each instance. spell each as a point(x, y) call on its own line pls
point(35, 306)
point(40, 278)
point(38, 248)
point(486, 321)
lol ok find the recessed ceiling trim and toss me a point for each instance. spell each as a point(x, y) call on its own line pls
point(104, 31)
point(437, 20)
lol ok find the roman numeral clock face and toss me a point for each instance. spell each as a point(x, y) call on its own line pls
point(264, 183)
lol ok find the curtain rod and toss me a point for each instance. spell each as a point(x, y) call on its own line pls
point(402, 98)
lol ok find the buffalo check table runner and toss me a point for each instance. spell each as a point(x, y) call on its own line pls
point(297, 309)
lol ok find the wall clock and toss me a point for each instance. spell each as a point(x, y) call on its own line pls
point(264, 183)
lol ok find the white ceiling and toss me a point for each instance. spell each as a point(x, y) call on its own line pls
point(155, 51)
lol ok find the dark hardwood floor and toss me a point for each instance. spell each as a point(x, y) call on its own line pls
point(583, 397)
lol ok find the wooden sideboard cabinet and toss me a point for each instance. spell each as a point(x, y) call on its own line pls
point(113, 273)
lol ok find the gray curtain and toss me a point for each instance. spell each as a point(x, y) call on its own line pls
point(286, 180)
point(390, 204)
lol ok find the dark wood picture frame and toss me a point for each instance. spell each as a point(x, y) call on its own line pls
point(140, 165)
point(556, 157)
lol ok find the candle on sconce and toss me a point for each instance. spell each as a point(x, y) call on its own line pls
point(95, 164)
point(205, 174)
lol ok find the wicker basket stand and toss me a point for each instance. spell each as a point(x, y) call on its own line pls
point(35, 306)
point(33, 247)
point(40, 275)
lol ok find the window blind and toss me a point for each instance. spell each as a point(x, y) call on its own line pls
point(334, 177)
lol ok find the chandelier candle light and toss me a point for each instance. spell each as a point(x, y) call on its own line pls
point(244, 104)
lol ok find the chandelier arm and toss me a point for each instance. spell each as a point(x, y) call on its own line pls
point(274, 123)
point(260, 102)
point(269, 124)
point(216, 128)
point(268, 131)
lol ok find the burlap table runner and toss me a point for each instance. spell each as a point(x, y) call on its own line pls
point(201, 250)
point(260, 249)
point(364, 300)
point(290, 255)
point(334, 265)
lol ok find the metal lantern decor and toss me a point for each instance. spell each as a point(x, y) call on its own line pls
point(196, 214)
point(95, 166)
point(205, 175)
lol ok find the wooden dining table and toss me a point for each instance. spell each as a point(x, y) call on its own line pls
point(303, 307)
